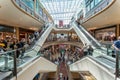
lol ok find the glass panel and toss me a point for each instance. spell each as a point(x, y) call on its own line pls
point(38, 8)
point(96, 2)
point(88, 8)
point(6, 61)
point(29, 3)
point(92, 4)
point(62, 9)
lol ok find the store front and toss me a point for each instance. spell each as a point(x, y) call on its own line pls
point(12, 33)
point(105, 34)
point(24, 33)
point(7, 32)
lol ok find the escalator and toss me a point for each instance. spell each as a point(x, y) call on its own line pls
point(85, 36)
point(33, 58)
point(100, 57)
point(8, 60)
point(99, 67)
point(107, 60)
point(101, 51)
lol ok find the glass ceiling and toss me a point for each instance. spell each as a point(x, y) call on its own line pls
point(61, 9)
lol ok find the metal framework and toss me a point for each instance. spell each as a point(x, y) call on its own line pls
point(62, 9)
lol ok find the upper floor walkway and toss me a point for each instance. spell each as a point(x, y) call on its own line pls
point(105, 13)
point(16, 13)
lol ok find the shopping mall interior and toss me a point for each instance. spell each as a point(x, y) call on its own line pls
point(59, 40)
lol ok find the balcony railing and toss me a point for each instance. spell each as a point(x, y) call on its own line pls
point(63, 39)
point(62, 27)
point(30, 11)
point(96, 9)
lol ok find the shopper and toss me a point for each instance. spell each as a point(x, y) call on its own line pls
point(116, 45)
point(85, 50)
point(90, 50)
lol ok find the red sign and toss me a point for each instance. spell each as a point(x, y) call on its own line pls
point(60, 23)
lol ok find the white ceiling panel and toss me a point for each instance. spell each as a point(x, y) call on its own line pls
point(61, 9)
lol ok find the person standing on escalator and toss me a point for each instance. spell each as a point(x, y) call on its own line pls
point(85, 50)
point(90, 50)
point(113, 50)
point(116, 45)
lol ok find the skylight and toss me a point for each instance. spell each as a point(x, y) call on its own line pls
point(61, 10)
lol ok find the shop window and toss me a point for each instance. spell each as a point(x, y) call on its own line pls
point(105, 34)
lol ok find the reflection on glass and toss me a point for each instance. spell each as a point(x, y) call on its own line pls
point(29, 3)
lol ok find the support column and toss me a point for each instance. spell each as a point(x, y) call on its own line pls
point(43, 15)
point(34, 5)
point(55, 36)
point(17, 32)
point(117, 30)
point(26, 37)
point(53, 50)
point(68, 38)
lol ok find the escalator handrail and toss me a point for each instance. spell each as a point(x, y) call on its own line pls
point(7, 52)
point(85, 32)
point(99, 62)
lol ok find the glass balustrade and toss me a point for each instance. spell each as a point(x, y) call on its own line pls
point(29, 3)
point(99, 7)
point(6, 61)
point(28, 7)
